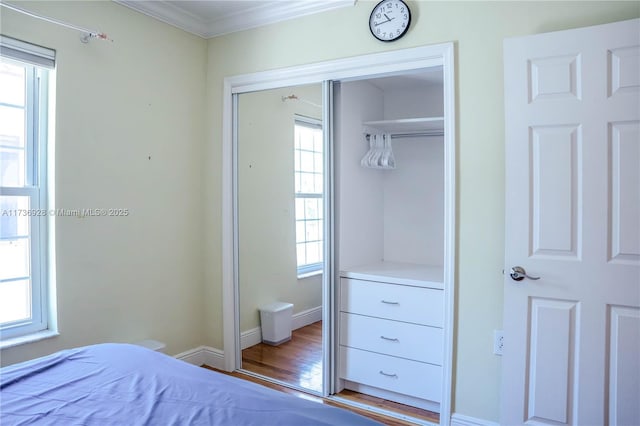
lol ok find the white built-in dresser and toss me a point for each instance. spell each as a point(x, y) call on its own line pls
point(391, 332)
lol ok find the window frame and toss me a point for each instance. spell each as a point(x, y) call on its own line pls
point(36, 188)
point(315, 268)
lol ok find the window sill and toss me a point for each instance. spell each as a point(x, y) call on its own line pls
point(310, 274)
point(29, 338)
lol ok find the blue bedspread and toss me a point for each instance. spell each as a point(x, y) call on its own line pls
point(118, 384)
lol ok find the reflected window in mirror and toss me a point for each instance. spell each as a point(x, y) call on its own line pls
point(308, 176)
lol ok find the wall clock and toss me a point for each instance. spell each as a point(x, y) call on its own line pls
point(390, 20)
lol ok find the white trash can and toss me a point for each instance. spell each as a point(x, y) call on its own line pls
point(275, 320)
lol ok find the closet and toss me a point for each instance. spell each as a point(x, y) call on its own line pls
point(390, 236)
point(388, 227)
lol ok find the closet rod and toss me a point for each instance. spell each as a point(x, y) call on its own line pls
point(410, 135)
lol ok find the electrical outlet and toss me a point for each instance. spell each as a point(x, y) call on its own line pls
point(498, 342)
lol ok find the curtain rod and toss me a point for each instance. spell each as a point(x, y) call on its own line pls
point(86, 33)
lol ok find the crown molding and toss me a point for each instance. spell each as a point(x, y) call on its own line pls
point(268, 12)
point(169, 14)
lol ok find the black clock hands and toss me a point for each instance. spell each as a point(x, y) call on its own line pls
point(384, 22)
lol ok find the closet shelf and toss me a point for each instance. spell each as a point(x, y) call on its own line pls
point(399, 273)
point(407, 125)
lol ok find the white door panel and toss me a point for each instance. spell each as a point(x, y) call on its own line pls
point(552, 370)
point(624, 192)
point(572, 105)
point(554, 176)
point(623, 375)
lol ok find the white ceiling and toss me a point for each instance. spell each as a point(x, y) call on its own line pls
point(211, 18)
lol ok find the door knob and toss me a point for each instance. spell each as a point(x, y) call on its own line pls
point(518, 274)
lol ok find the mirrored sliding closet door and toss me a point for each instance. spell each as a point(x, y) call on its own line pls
point(280, 227)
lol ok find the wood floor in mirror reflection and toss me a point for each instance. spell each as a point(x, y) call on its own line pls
point(298, 361)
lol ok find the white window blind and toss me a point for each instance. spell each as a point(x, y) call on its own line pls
point(27, 52)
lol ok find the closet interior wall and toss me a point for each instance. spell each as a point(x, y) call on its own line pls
point(390, 240)
point(389, 215)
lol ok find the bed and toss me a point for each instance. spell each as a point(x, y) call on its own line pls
point(120, 384)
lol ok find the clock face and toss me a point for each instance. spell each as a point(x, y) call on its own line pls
point(390, 20)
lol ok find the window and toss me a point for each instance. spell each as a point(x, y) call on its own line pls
point(308, 174)
point(24, 212)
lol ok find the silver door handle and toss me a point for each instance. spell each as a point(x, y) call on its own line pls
point(518, 274)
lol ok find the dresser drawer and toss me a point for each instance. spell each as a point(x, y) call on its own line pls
point(392, 301)
point(395, 374)
point(412, 341)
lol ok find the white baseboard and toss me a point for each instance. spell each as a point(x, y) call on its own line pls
point(214, 358)
point(192, 356)
point(250, 337)
point(203, 355)
point(462, 420)
point(307, 317)
point(301, 319)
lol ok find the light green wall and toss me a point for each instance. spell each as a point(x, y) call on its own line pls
point(130, 131)
point(266, 211)
point(478, 29)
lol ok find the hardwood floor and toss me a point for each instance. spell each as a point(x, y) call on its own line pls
point(299, 362)
point(374, 401)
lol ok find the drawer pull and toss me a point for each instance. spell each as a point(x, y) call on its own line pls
point(395, 376)
point(391, 339)
point(386, 302)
